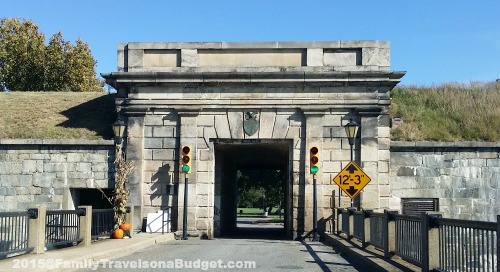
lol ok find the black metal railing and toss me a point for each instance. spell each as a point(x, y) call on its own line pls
point(345, 221)
point(429, 241)
point(467, 245)
point(408, 238)
point(376, 229)
point(14, 232)
point(359, 225)
point(102, 223)
point(62, 228)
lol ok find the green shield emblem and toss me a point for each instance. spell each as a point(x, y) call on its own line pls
point(250, 124)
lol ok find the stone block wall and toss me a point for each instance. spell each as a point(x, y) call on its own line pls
point(464, 176)
point(168, 56)
point(34, 172)
point(303, 92)
point(165, 130)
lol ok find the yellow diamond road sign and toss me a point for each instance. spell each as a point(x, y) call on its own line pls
point(352, 179)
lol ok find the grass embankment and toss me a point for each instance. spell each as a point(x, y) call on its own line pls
point(56, 115)
point(449, 112)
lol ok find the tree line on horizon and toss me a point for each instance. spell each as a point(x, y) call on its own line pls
point(27, 63)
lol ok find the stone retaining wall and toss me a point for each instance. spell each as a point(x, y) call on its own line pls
point(464, 176)
point(34, 172)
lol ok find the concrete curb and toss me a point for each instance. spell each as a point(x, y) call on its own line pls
point(368, 259)
point(97, 251)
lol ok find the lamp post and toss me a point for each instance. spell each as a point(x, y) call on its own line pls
point(119, 129)
point(351, 129)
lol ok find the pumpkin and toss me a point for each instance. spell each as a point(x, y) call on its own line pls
point(118, 233)
point(125, 226)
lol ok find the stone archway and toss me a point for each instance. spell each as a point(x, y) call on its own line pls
point(234, 155)
point(175, 94)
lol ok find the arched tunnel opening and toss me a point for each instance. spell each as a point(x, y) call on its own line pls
point(252, 189)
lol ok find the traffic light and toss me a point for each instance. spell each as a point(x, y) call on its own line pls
point(314, 159)
point(186, 159)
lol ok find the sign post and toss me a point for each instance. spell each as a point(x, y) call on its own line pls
point(352, 179)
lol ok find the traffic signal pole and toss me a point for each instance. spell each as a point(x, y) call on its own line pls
point(315, 212)
point(184, 219)
point(186, 169)
point(313, 169)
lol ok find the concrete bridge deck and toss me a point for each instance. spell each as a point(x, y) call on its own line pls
point(331, 255)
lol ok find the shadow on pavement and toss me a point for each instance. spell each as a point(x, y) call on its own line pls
point(247, 228)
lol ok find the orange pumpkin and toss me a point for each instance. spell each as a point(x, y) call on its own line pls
point(125, 226)
point(118, 233)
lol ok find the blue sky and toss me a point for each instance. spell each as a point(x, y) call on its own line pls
point(434, 41)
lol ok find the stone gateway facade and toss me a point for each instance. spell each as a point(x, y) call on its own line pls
point(260, 104)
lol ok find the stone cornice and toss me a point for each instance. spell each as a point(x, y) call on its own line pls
point(404, 146)
point(199, 76)
point(258, 45)
point(188, 110)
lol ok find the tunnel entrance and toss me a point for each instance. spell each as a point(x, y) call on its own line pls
point(252, 189)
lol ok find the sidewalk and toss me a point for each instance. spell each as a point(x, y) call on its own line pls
point(374, 261)
point(103, 249)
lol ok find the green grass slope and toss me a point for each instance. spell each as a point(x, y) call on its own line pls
point(56, 115)
point(449, 112)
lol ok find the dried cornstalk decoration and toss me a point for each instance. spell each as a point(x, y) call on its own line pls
point(121, 193)
point(119, 199)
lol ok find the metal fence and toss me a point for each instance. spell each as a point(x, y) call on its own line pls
point(14, 232)
point(467, 245)
point(37, 230)
point(102, 223)
point(408, 237)
point(429, 241)
point(345, 221)
point(359, 225)
point(62, 228)
point(376, 229)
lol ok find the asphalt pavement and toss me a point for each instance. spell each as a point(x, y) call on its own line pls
point(255, 247)
point(232, 255)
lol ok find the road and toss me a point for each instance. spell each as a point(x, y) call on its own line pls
point(232, 255)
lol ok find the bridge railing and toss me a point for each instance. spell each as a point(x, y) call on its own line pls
point(408, 237)
point(39, 229)
point(14, 232)
point(376, 229)
point(428, 241)
point(102, 222)
point(467, 245)
point(62, 228)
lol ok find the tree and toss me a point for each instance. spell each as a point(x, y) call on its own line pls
point(267, 182)
point(80, 68)
point(249, 197)
point(21, 55)
point(27, 64)
point(55, 67)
